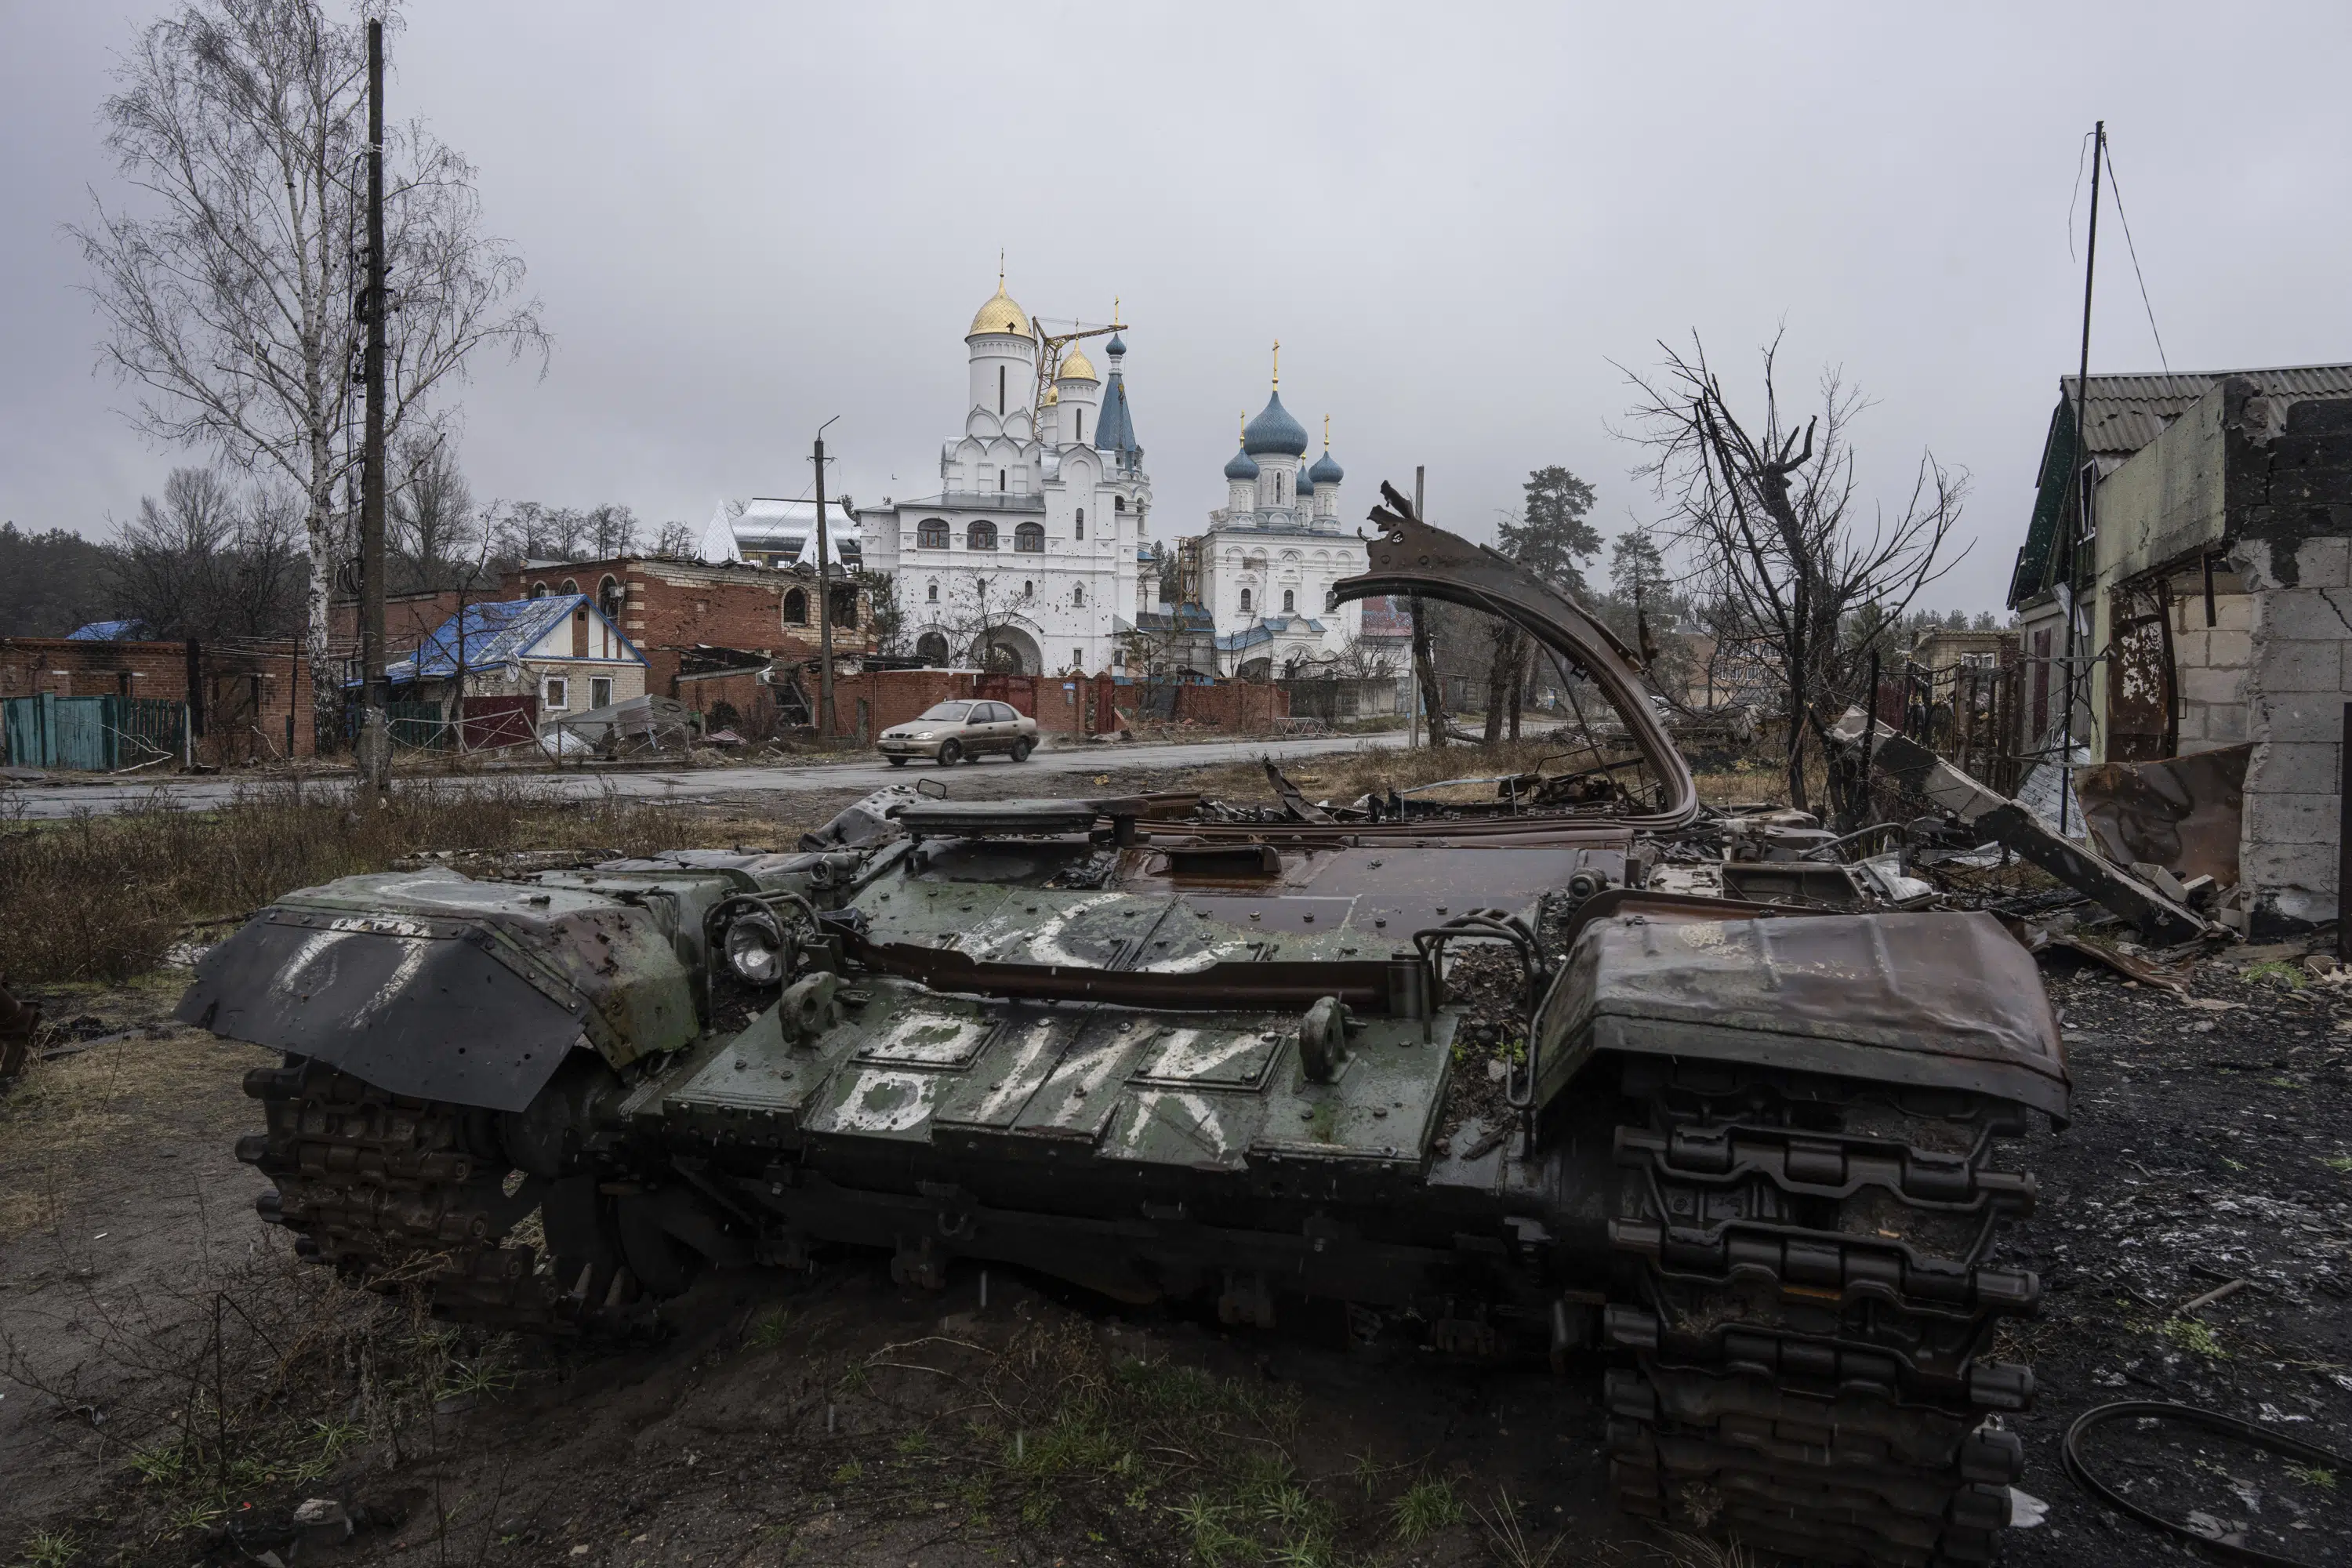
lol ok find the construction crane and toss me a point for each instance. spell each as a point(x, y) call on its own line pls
point(1049, 356)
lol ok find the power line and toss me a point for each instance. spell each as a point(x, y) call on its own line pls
point(2134, 253)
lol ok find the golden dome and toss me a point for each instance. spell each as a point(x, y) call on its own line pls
point(1077, 367)
point(1000, 315)
point(1053, 395)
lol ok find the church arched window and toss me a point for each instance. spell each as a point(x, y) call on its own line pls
point(1289, 601)
point(933, 597)
point(608, 597)
point(1277, 490)
point(931, 533)
point(795, 608)
point(981, 535)
point(932, 647)
point(1028, 590)
point(1118, 504)
point(1082, 424)
point(999, 485)
point(1030, 537)
point(999, 391)
point(1246, 601)
point(1082, 522)
point(1079, 596)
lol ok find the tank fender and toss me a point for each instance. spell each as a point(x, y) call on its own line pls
point(1936, 999)
point(462, 1010)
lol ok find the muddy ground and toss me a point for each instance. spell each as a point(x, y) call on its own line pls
point(174, 1384)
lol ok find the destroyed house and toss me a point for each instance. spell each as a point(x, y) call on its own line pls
point(559, 655)
point(2200, 529)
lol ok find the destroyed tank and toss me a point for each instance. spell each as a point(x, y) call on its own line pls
point(1757, 1160)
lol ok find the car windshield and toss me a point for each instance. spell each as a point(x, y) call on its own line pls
point(949, 712)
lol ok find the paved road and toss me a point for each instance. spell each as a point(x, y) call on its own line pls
point(40, 802)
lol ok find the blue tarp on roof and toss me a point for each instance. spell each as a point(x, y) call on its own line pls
point(108, 631)
point(494, 635)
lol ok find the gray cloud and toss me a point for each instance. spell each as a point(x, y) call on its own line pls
point(745, 218)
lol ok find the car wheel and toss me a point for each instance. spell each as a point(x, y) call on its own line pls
point(897, 762)
point(1021, 748)
point(951, 754)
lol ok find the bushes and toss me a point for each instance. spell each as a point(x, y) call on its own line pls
point(104, 898)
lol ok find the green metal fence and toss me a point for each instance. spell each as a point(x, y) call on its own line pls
point(91, 734)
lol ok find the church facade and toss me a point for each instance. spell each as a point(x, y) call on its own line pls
point(1274, 550)
point(1027, 559)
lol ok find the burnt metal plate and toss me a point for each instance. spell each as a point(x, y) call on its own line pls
point(414, 1007)
point(1932, 997)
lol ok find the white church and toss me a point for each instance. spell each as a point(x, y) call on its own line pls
point(1034, 555)
point(1028, 555)
point(1274, 549)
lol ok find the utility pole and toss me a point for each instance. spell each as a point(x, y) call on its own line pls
point(824, 600)
point(1420, 657)
point(375, 739)
point(2084, 483)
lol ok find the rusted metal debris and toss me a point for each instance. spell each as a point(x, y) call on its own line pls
point(1996, 817)
point(2184, 815)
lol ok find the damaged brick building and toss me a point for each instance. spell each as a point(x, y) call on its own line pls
point(2205, 539)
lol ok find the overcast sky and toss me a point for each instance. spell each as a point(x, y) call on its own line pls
point(742, 218)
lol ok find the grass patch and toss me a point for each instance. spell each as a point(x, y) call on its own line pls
point(2318, 1476)
point(248, 1383)
point(103, 898)
point(50, 1549)
point(2340, 1164)
point(1425, 1507)
point(65, 1116)
point(1128, 1451)
point(2286, 975)
point(2195, 1337)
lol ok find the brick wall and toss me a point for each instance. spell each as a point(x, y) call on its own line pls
point(409, 618)
point(669, 606)
point(1245, 707)
point(245, 692)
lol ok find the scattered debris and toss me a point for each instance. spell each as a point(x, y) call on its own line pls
point(1926, 774)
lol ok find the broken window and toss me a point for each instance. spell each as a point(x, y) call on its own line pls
point(2140, 679)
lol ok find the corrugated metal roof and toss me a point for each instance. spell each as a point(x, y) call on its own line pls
point(2125, 412)
point(493, 634)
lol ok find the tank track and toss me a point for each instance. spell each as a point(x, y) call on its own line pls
point(402, 1193)
point(1813, 1264)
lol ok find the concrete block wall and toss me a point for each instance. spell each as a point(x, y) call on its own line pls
point(2298, 677)
point(2210, 666)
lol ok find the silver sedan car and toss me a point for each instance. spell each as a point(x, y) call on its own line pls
point(955, 733)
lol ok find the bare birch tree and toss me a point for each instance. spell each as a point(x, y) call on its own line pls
point(228, 286)
point(1768, 516)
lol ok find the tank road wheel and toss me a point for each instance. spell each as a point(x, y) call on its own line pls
point(1814, 1263)
point(1021, 748)
point(951, 754)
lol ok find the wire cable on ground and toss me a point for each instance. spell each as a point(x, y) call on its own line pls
point(2070, 1452)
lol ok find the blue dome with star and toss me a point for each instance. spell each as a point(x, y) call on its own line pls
point(1274, 431)
point(1241, 466)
